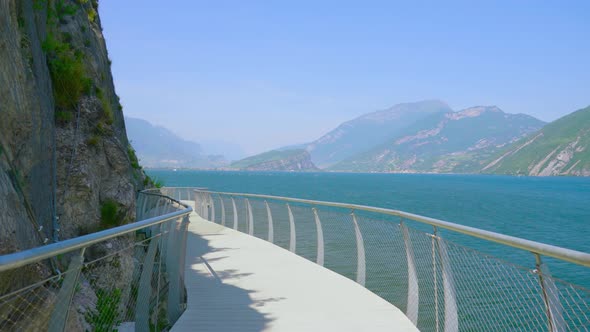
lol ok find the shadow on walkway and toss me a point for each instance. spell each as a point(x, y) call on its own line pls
point(212, 304)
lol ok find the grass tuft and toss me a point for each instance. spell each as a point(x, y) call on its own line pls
point(68, 74)
point(63, 116)
point(110, 215)
point(133, 157)
point(106, 316)
point(152, 182)
point(91, 14)
point(93, 141)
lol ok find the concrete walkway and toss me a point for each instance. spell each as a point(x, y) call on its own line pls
point(236, 282)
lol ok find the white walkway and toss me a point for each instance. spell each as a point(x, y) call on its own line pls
point(236, 282)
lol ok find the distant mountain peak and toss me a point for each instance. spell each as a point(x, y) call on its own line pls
point(368, 130)
point(472, 112)
point(399, 110)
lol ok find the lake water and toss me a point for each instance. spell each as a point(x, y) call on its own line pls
point(553, 210)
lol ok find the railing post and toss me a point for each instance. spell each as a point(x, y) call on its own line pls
point(435, 277)
point(159, 207)
point(198, 203)
point(360, 252)
point(320, 233)
point(451, 318)
point(172, 268)
point(199, 206)
point(293, 236)
point(553, 307)
point(233, 202)
point(144, 204)
point(61, 310)
point(165, 230)
point(182, 261)
point(138, 204)
point(176, 268)
point(413, 288)
point(250, 218)
point(212, 207)
point(270, 225)
point(142, 306)
point(206, 206)
point(222, 210)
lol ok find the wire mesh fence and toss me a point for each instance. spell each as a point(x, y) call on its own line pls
point(129, 280)
point(441, 285)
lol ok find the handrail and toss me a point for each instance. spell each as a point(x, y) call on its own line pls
point(21, 258)
point(569, 255)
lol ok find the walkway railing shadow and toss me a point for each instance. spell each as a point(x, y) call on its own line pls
point(219, 306)
point(130, 277)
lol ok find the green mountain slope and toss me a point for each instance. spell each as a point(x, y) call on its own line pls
point(448, 142)
point(275, 160)
point(560, 148)
point(365, 132)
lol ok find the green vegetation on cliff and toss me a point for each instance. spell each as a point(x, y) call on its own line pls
point(560, 148)
point(68, 74)
point(66, 66)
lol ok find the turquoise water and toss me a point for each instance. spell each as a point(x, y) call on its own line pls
point(553, 210)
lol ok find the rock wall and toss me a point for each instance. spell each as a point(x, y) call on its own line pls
point(64, 152)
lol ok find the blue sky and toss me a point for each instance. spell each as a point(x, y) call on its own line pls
point(264, 74)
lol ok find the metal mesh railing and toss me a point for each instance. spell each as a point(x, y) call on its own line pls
point(441, 285)
point(124, 278)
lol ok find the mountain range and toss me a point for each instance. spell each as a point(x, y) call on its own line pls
point(444, 142)
point(419, 137)
point(158, 147)
point(363, 133)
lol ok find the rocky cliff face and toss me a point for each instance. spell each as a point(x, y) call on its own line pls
point(288, 160)
point(63, 148)
point(64, 153)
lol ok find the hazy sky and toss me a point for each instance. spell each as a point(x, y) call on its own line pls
point(270, 73)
